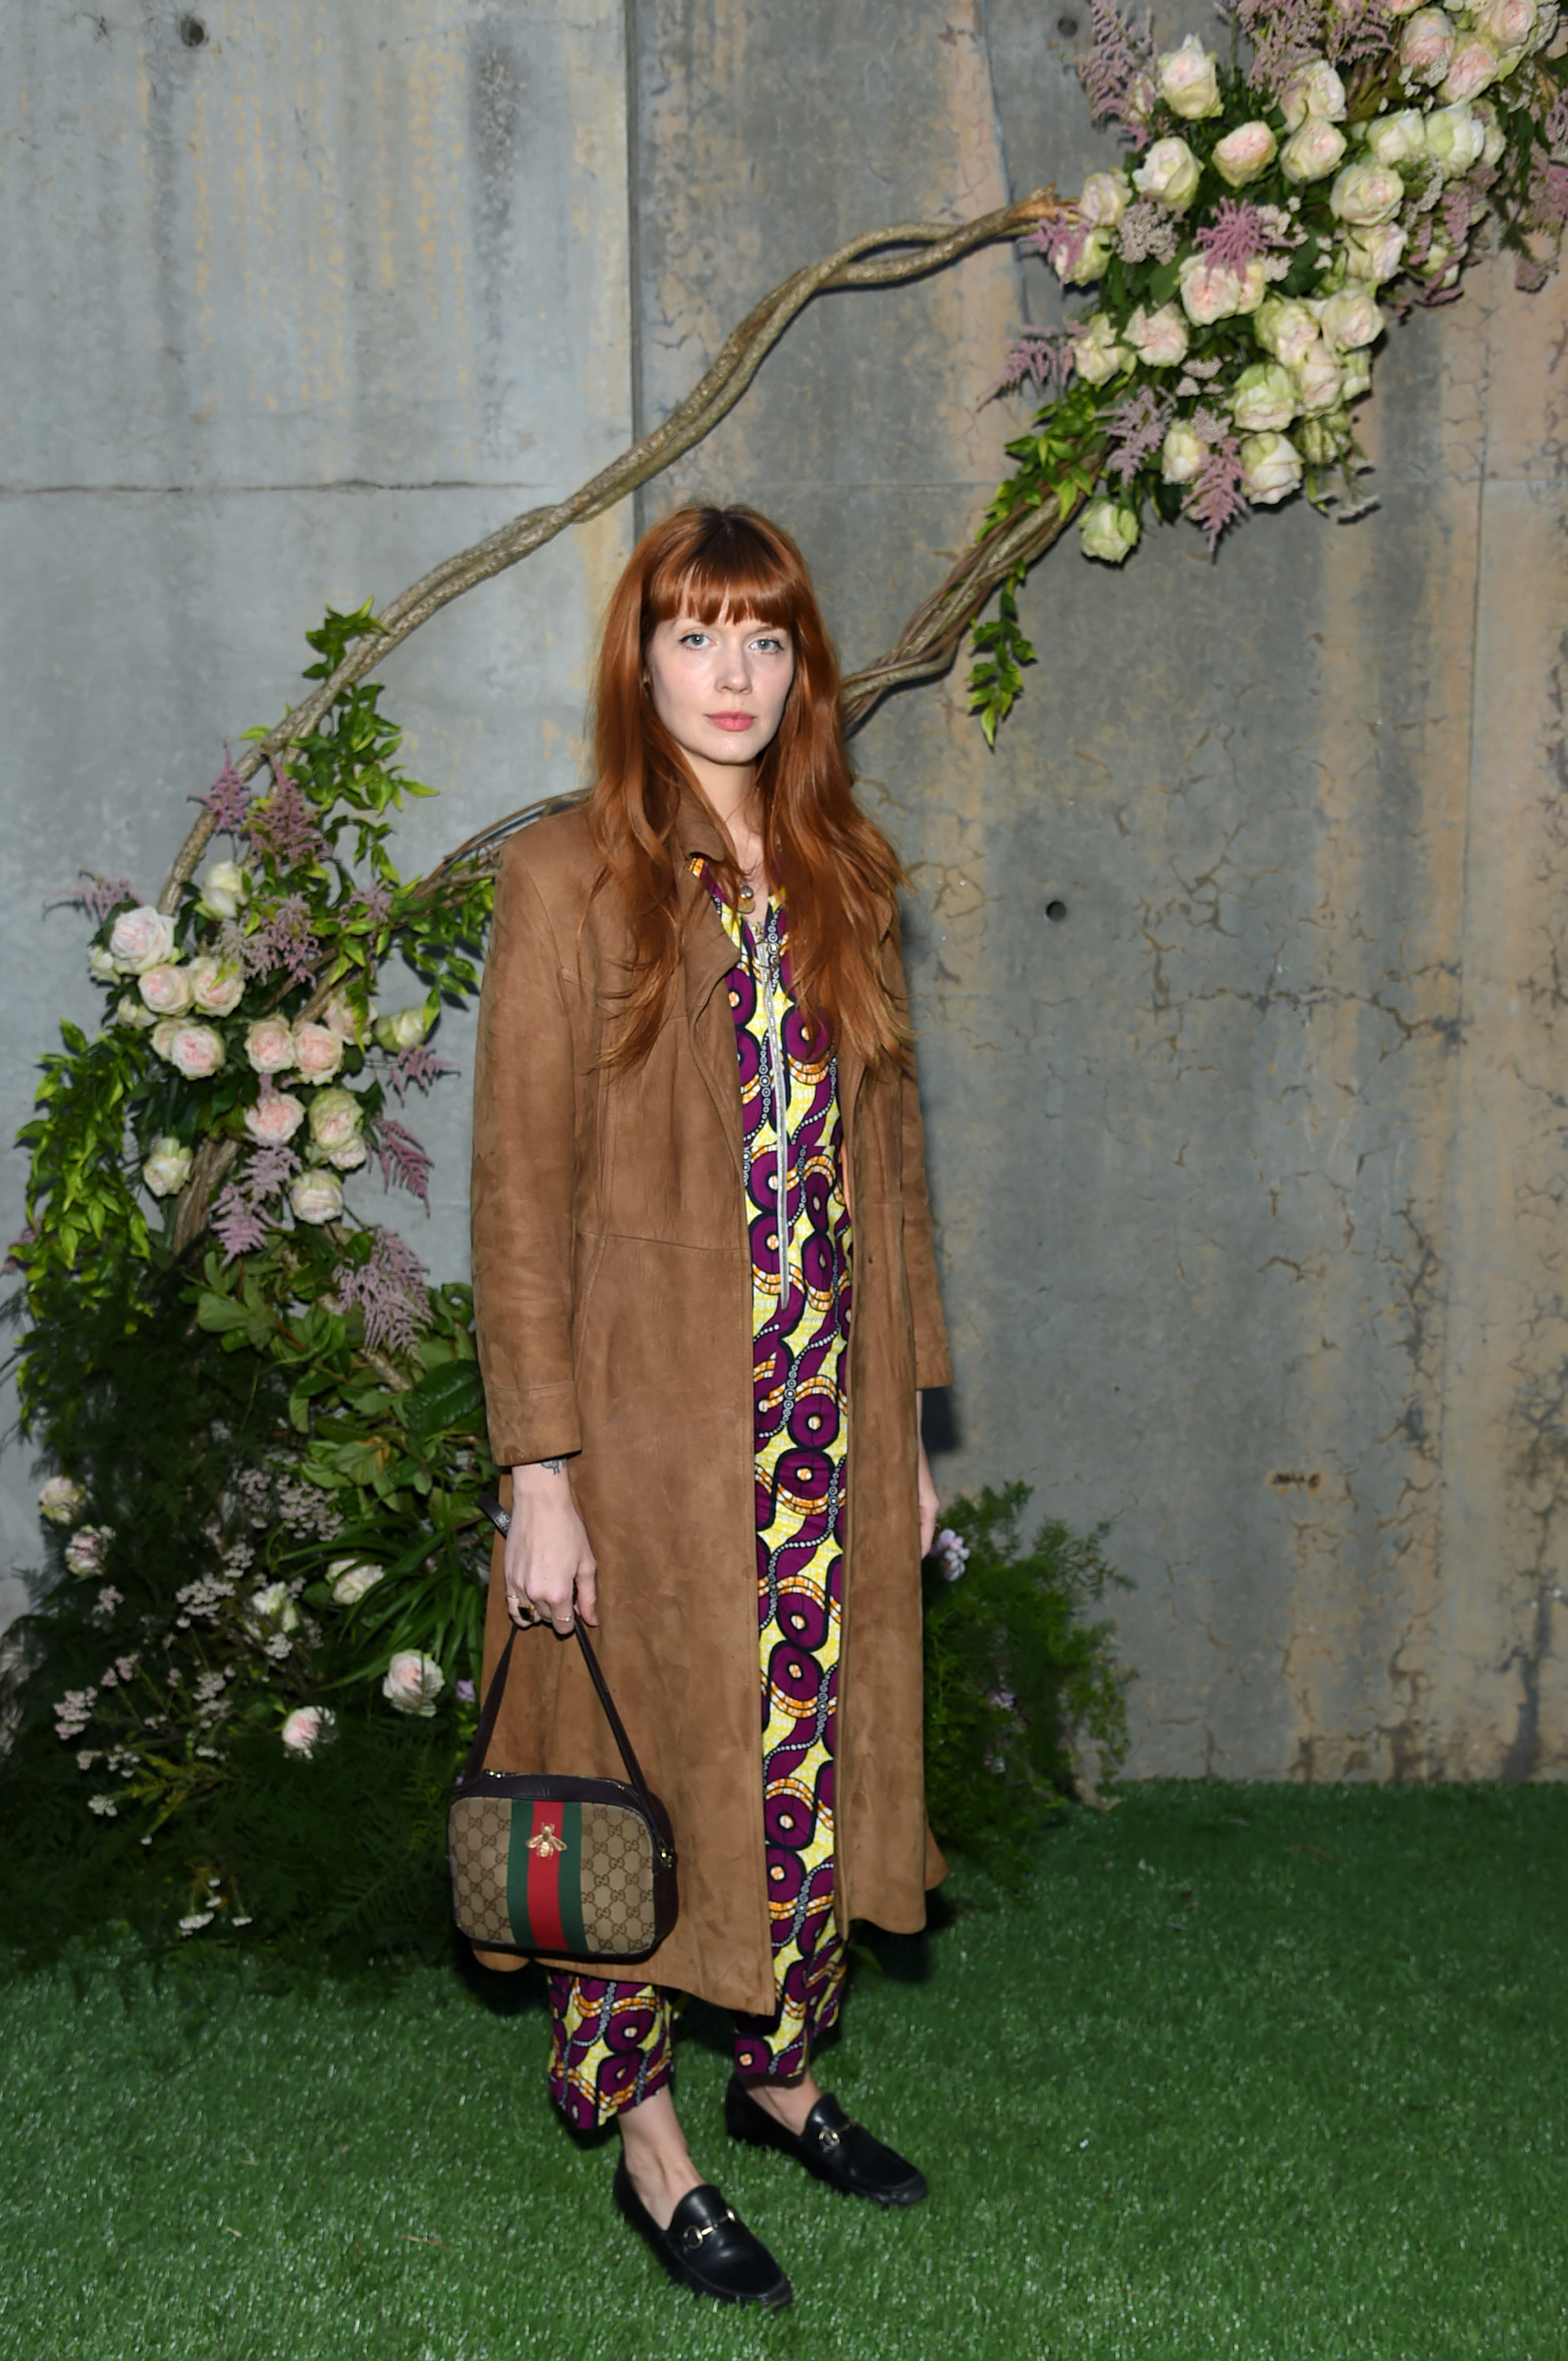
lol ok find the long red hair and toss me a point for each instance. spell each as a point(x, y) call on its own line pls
point(836, 870)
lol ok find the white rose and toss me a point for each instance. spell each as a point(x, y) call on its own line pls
point(1158, 338)
point(129, 1009)
point(351, 1578)
point(224, 887)
point(1097, 355)
point(308, 1727)
point(101, 966)
point(1473, 69)
point(1187, 82)
point(1183, 454)
point(269, 1045)
point(1426, 47)
point(1210, 290)
point(1169, 174)
point(349, 1157)
point(140, 938)
point(413, 1683)
point(274, 1120)
point(216, 984)
point(1399, 139)
point(1313, 88)
point(1313, 153)
point(316, 1197)
point(167, 1167)
point(1079, 266)
point(1264, 396)
point(1109, 532)
point(193, 1050)
point(87, 1549)
point(62, 1500)
point(1457, 139)
point(403, 1028)
point(165, 989)
point(1324, 440)
point(346, 1019)
point(1104, 199)
point(1494, 139)
point(1271, 468)
point(1351, 318)
point(1243, 153)
point(1357, 377)
point(1320, 378)
point(318, 1052)
point(1252, 285)
point(1366, 195)
point(1287, 329)
point(1374, 255)
point(336, 1117)
point(273, 1604)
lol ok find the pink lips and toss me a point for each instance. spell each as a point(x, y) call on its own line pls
point(732, 720)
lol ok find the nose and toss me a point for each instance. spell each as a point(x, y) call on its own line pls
point(735, 665)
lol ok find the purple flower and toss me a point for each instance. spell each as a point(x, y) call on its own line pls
point(101, 895)
point(463, 1692)
point(1240, 232)
point(1045, 355)
point(420, 1067)
point(1117, 68)
point(284, 941)
point(282, 826)
point(1216, 498)
point(1137, 429)
point(390, 1292)
point(228, 797)
point(404, 1163)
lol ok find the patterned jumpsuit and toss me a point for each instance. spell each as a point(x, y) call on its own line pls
point(611, 2046)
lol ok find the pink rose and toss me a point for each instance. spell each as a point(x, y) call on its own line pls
point(166, 989)
point(193, 1050)
point(140, 938)
point(1508, 24)
point(1158, 338)
point(1243, 153)
point(1314, 151)
point(1472, 69)
point(1210, 290)
point(318, 1052)
point(216, 985)
point(269, 1045)
point(308, 1727)
point(1426, 47)
point(275, 1118)
point(343, 1018)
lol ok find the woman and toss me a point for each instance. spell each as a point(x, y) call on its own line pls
point(692, 1012)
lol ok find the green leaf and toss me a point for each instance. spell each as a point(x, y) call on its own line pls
point(451, 1395)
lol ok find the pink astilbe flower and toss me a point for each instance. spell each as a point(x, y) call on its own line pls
point(282, 826)
point(1216, 498)
point(390, 1292)
point(1358, 29)
point(1062, 244)
point(418, 1068)
point(1117, 68)
point(372, 902)
point(1284, 34)
point(237, 1218)
point(100, 895)
point(1137, 429)
point(1555, 128)
point(1146, 233)
point(1546, 201)
point(1043, 354)
point(404, 1163)
point(228, 799)
point(12, 1264)
point(1239, 233)
point(284, 941)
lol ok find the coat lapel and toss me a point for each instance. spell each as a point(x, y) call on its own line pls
point(708, 957)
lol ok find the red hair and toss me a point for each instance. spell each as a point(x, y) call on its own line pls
point(837, 872)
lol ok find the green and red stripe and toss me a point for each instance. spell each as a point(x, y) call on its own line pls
point(545, 1889)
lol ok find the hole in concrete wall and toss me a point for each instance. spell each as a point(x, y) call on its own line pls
point(193, 32)
point(1056, 912)
point(1067, 26)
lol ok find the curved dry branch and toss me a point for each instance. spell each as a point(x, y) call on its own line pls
point(932, 245)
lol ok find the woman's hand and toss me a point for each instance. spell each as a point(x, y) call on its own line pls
point(925, 1484)
point(548, 1566)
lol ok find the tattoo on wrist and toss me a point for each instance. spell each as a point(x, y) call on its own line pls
point(551, 1466)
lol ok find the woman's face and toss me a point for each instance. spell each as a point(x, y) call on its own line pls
point(720, 689)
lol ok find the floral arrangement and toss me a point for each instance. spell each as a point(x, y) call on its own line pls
point(1345, 157)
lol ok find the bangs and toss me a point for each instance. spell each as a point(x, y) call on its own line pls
point(731, 569)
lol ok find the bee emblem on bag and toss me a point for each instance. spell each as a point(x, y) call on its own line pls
point(546, 1843)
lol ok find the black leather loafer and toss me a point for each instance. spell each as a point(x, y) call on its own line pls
point(706, 2247)
point(832, 2145)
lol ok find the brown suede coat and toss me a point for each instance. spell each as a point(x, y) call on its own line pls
point(613, 1294)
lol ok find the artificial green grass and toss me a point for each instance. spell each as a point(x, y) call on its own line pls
point(1271, 2072)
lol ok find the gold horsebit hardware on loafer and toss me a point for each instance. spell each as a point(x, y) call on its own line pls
point(692, 2238)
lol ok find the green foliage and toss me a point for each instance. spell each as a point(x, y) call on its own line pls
point(1016, 1676)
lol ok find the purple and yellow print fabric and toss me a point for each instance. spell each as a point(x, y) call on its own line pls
point(611, 2046)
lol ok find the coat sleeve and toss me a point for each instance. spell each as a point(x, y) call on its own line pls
point(523, 1180)
point(933, 1361)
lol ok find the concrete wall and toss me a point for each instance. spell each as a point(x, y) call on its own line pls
point(1247, 1169)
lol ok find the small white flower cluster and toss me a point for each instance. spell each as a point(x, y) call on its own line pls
point(213, 1900)
point(1378, 207)
point(950, 1551)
